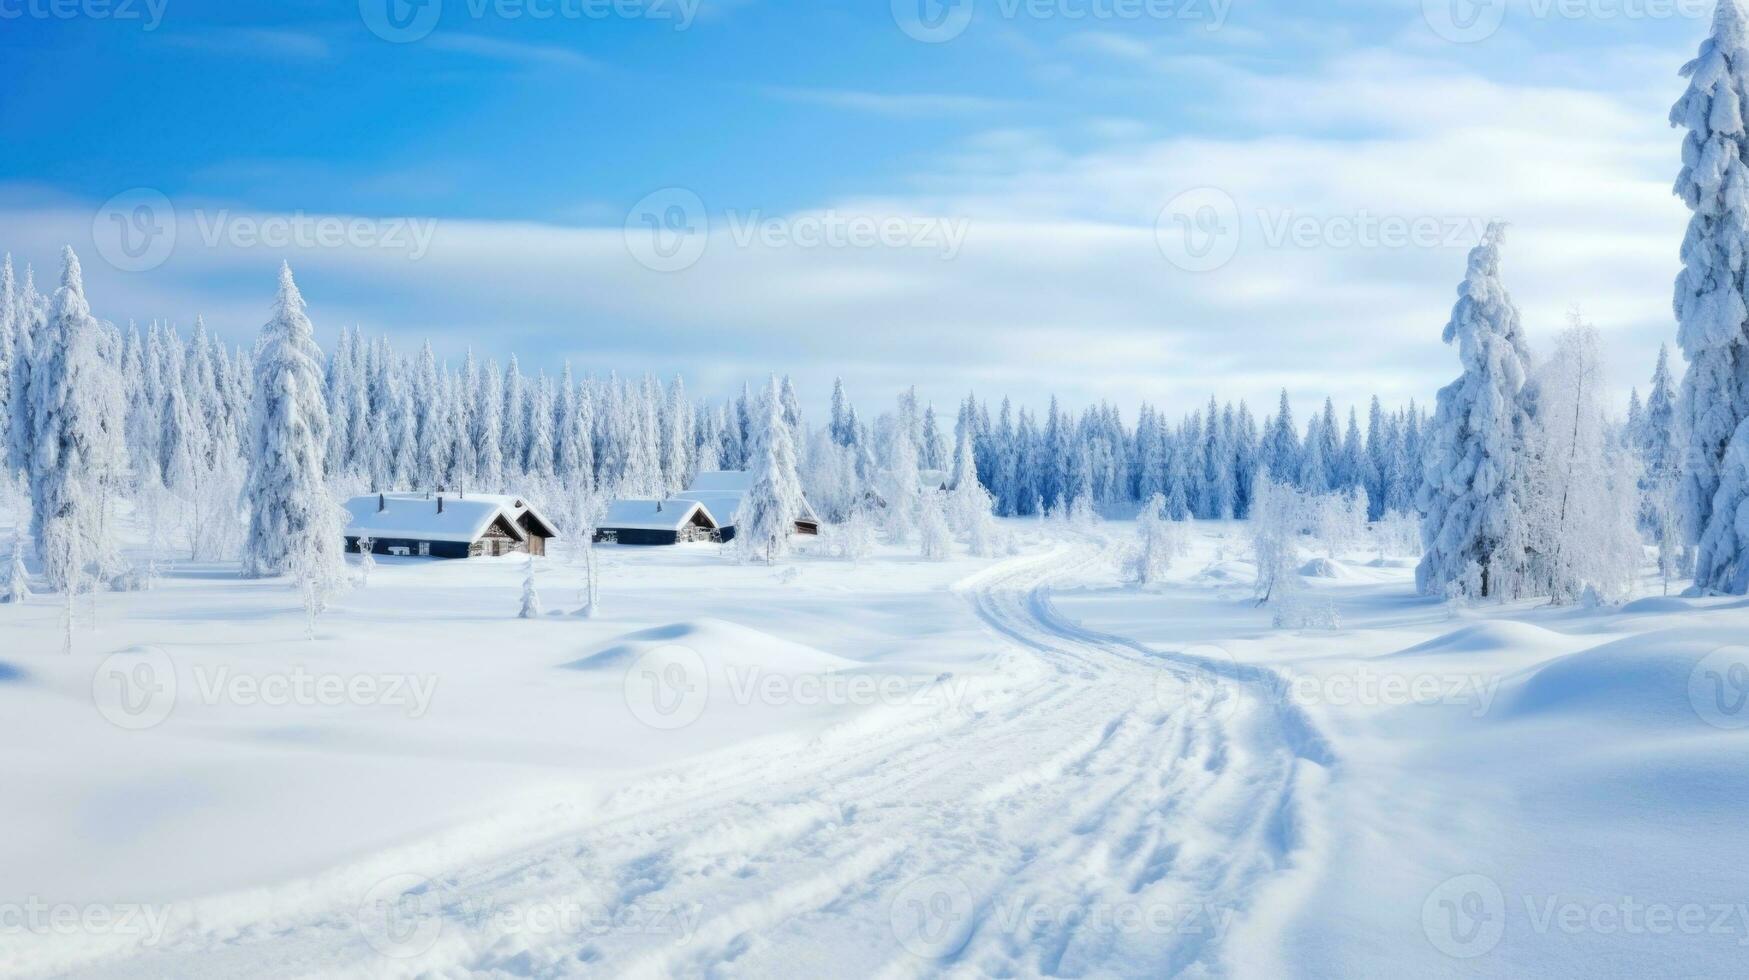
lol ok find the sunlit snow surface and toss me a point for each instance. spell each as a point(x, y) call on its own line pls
point(1014, 767)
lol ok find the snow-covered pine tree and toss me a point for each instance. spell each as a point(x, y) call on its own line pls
point(28, 318)
point(1158, 542)
point(1578, 492)
point(515, 416)
point(842, 433)
point(367, 561)
point(431, 437)
point(17, 580)
point(488, 429)
point(934, 538)
point(539, 460)
point(294, 526)
point(1376, 467)
point(1474, 531)
point(1353, 460)
point(968, 502)
point(768, 515)
point(530, 597)
point(8, 345)
point(792, 411)
point(1281, 443)
point(1659, 440)
point(677, 438)
point(1713, 320)
point(78, 454)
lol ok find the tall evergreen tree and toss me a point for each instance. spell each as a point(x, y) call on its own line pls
point(293, 527)
point(77, 453)
point(767, 518)
point(1474, 532)
point(1710, 308)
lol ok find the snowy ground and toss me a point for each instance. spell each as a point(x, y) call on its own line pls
point(1015, 767)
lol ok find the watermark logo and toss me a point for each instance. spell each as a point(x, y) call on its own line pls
point(401, 916)
point(1199, 230)
point(940, 21)
point(1472, 21)
point(932, 917)
point(149, 13)
point(933, 21)
point(668, 688)
point(135, 689)
point(1464, 21)
point(401, 21)
point(36, 917)
point(1465, 917)
point(1718, 688)
point(135, 231)
point(668, 230)
point(1202, 229)
point(139, 689)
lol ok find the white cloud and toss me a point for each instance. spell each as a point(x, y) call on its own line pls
point(1060, 285)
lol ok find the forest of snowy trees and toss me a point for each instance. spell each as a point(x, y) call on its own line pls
point(175, 414)
point(227, 453)
point(1526, 481)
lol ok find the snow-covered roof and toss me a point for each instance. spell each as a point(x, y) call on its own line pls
point(722, 481)
point(415, 516)
point(722, 491)
point(653, 515)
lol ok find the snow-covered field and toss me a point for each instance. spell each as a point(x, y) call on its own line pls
point(983, 767)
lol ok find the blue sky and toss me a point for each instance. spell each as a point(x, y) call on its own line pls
point(1049, 135)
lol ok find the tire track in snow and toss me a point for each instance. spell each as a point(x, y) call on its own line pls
point(1062, 809)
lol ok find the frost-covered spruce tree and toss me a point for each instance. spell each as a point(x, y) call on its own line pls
point(17, 581)
point(934, 538)
point(488, 428)
point(530, 597)
point(1158, 542)
point(1658, 440)
point(77, 452)
point(28, 317)
point(768, 515)
point(1713, 320)
point(1474, 531)
point(8, 344)
point(292, 522)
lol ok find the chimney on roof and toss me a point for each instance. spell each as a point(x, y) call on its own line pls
point(440, 503)
point(382, 503)
point(658, 506)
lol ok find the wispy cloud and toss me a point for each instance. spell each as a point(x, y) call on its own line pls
point(891, 103)
point(260, 42)
point(517, 52)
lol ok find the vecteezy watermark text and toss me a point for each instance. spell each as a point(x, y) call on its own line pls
point(36, 917)
point(670, 687)
point(669, 230)
point(939, 21)
point(404, 915)
point(1466, 917)
point(407, 21)
point(139, 230)
point(1471, 21)
point(147, 13)
point(1202, 229)
point(139, 689)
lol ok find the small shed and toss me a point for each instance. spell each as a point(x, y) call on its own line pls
point(656, 522)
point(444, 525)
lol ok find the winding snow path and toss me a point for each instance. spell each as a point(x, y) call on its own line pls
point(1103, 809)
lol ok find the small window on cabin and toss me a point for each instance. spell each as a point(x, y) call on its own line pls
point(425, 549)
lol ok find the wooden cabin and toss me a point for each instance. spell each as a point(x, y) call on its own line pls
point(446, 525)
point(705, 511)
point(658, 522)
